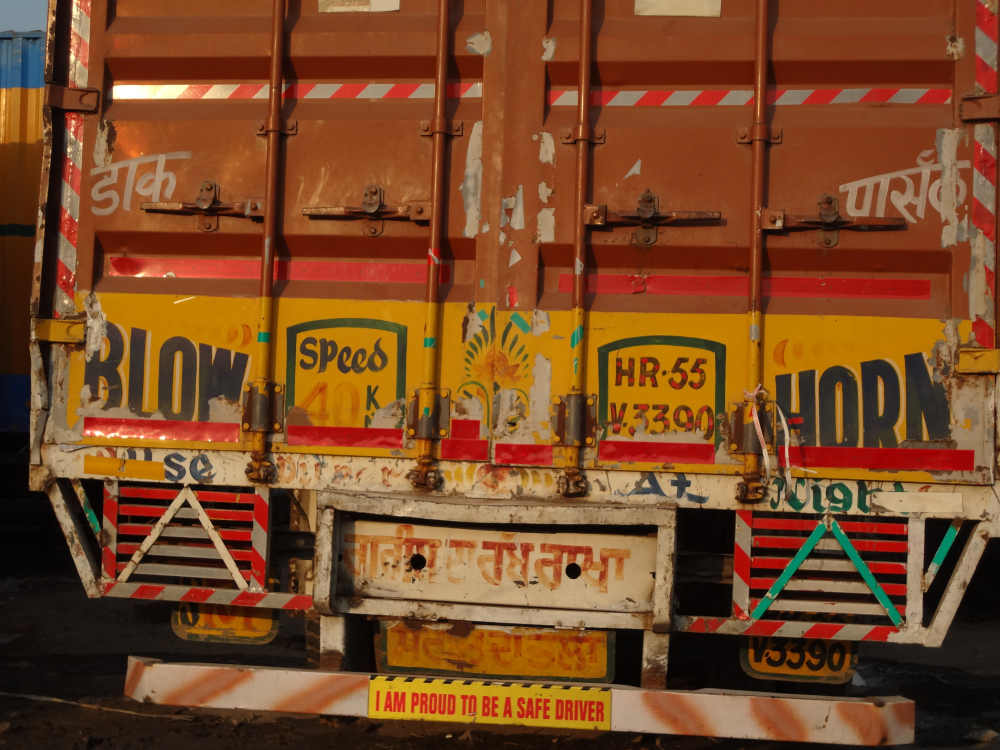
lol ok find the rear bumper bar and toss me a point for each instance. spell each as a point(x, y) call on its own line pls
point(732, 714)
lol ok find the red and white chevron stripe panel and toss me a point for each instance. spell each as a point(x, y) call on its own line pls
point(742, 552)
point(785, 629)
point(129, 91)
point(982, 307)
point(206, 595)
point(69, 200)
point(741, 97)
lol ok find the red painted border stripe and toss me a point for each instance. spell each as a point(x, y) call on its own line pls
point(157, 511)
point(736, 286)
point(791, 524)
point(655, 452)
point(522, 454)
point(295, 270)
point(861, 545)
point(880, 633)
point(161, 429)
point(465, 429)
point(892, 589)
point(878, 568)
point(197, 595)
point(345, 437)
point(465, 450)
point(299, 602)
point(138, 529)
point(913, 459)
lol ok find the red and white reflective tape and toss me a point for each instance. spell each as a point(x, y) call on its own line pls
point(741, 97)
point(433, 257)
point(259, 541)
point(785, 629)
point(109, 549)
point(203, 595)
point(741, 564)
point(983, 278)
point(69, 199)
point(129, 91)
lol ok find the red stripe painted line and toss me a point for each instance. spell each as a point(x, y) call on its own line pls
point(522, 454)
point(128, 548)
point(465, 450)
point(877, 568)
point(763, 627)
point(138, 529)
point(823, 630)
point(656, 452)
point(246, 573)
point(861, 545)
point(247, 599)
point(465, 429)
point(151, 493)
point(197, 596)
point(744, 97)
point(284, 270)
point(156, 511)
point(913, 459)
point(147, 592)
point(736, 286)
point(161, 429)
point(892, 589)
point(791, 524)
point(880, 633)
point(299, 602)
point(345, 437)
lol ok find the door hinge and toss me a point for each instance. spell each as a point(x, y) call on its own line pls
point(978, 361)
point(72, 99)
point(58, 331)
point(980, 108)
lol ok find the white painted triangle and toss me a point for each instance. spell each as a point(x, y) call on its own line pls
point(515, 256)
point(636, 169)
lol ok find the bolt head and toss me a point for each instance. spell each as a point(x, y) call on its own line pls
point(246, 425)
point(420, 209)
point(733, 446)
point(827, 200)
point(590, 441)
point(555, 438)
point(773, 219)
point(277, 426)
point(411, 432)
point(277, 389)
point(827, 241)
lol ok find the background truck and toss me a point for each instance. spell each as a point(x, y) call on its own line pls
point(513, 342)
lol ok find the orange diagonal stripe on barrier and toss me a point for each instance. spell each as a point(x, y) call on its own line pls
point(776, 717)
point(320, 694)
point(136, 669)
point(680, 714)
point(865, 720)
point(210, 684)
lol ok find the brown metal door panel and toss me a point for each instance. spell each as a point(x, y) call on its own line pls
point(856, 333)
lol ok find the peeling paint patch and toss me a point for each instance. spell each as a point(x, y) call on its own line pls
point(548, 48)
point(636, 169)
point(503, 235)
point(514, 204)
point(104, 144)
point(471, 323)
point(357, 6)
point(954, 230)
point(954, 47)
point(486, 227)
point(472, 185)
point(224, 410)
point(537, 425)
point(389, 416)
point(480, 44)
point(544, 192)
point(96, 327)
point(547, 149)
point(546, 226)
point(539, 322)
point(515, 256)
point(702, 8)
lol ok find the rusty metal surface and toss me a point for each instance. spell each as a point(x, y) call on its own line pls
point(766, 150)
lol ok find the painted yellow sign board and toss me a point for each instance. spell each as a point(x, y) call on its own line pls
point(461, 701)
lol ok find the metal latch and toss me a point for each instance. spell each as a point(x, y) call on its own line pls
point(263, 411)
point(827, 223)
point(433, 426)
point(574, 420)
point(58, 331)
point(208, 208)
point(980, 108)
point(71, 99)
point(978, 361)
point(373, 211)
point(646, 217)
point(743, 433)
point(448, 127)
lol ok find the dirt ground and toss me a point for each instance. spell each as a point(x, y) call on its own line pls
point(55, 642)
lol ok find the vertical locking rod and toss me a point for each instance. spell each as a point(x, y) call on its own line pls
point(261, 395)
point(751, 489)
point(425, 475)
point(572, 483)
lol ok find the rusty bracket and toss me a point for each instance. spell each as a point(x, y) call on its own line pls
point(646, 218)
point(743, 435)
point(373, 212)
point(263, 410)
point(433, 426)
point(978, 361)
point(574, 420)
point(582, 133)
point(285, 127)
point(448, 127)
point(979, 108)
point(60, 331)
point(828, 222)
point(208, 208)
point(758, 133)
point(71, 99)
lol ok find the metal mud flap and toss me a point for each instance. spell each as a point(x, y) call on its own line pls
point(543, 567)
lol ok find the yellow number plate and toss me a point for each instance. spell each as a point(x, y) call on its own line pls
point(798, 659)
point(220, 623)
point(481, 651)
point(428, 699)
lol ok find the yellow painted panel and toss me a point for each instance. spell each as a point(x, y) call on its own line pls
point(123, 468)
